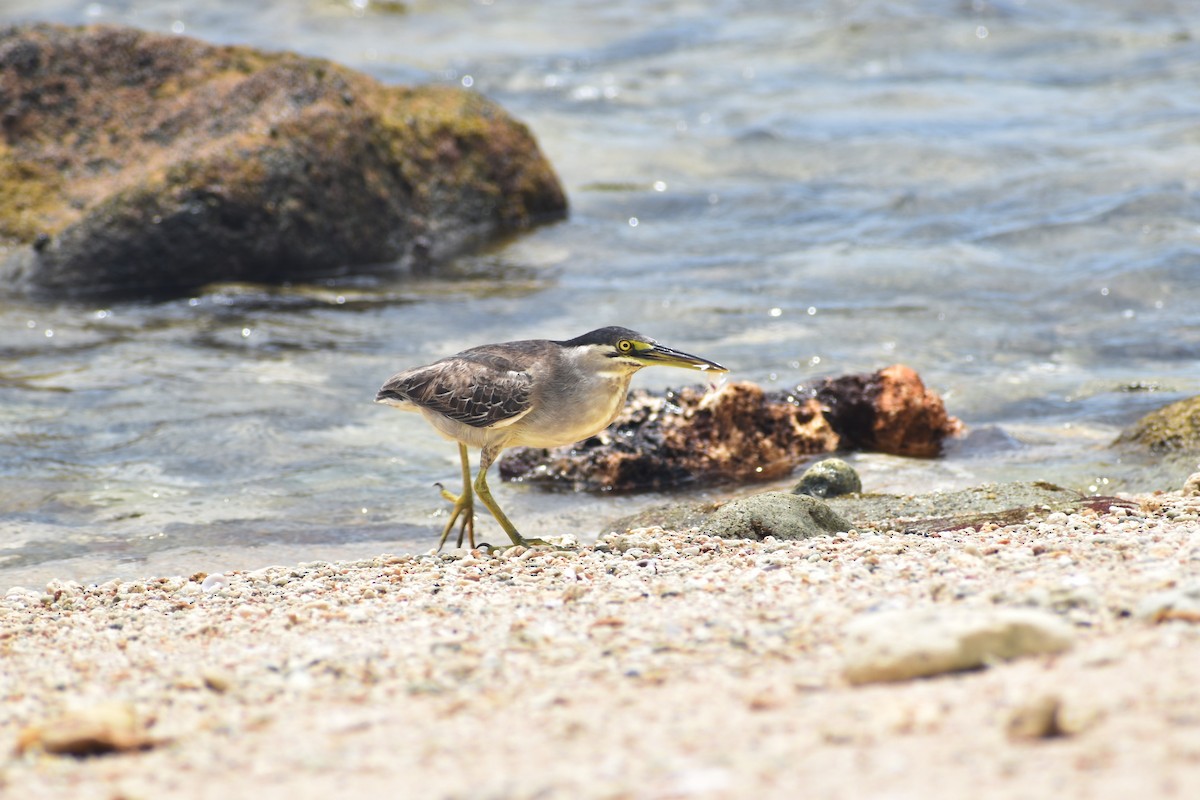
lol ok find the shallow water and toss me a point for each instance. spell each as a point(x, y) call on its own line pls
point(1001, 195)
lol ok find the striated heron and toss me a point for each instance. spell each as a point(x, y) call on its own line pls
point(536, 392)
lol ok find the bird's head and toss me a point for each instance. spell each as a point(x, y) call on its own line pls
point(634, 350)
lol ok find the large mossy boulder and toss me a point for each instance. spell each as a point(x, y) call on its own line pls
point(134, 163)
point(1171, 429)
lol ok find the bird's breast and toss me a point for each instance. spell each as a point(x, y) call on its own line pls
point(573, 411)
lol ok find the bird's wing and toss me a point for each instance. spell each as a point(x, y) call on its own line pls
point(476, 388)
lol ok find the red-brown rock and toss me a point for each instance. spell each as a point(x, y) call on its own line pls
point(889, 411)
point(736, 434)
point(741, 434)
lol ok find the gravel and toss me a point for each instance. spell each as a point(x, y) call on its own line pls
point(657, 664)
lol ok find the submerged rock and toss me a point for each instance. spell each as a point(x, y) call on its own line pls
point(780, 514)
point(133, 162)
point(741, 433)
point(1173, 428)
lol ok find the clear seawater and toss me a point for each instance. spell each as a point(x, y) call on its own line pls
point(1003, 195)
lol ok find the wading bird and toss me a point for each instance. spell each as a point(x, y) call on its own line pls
point(536, 392)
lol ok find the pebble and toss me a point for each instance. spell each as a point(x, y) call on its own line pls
point(916, 643)
point(830, 477)
point(1037, 719)
point(663, 625)
point(95, 730)
point(214, 583)
point(1182, 603)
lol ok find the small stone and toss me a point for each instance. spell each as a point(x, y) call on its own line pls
point(1182, 603)
point(901, 645)
point(1049, 717)
point(105, 728)
point(829, 478)
point(1036, 720)
point(20, 594)
point(1191, 487)
point(213, 583)
point(573, 593)
point(217, 680)
point(516, 551)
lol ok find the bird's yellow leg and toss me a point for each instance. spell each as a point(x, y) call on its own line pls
point(485, 496)
point(464, 505)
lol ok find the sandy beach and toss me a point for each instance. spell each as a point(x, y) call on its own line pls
point(656, 664)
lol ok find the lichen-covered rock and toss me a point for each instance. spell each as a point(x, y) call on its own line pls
point(735, 434)
point(780, 514)
point(133, 162)
point(1171, 429)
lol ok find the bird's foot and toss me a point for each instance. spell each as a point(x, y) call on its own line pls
point(463, 513)
point(521, 541)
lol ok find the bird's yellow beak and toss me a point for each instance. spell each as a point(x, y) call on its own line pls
point(657, 355)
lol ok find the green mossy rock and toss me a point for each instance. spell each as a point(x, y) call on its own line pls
point(1171, 429)
point(830, 477)
point(780, 514)
point(137, 163)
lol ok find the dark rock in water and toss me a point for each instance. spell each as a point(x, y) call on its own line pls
point(780, 514)
point(735, 434)
point(134, 162)
point(830, 477)
point(1171, 429)
point(889, 411)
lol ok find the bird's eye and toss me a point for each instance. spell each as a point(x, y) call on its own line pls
point(624, 345)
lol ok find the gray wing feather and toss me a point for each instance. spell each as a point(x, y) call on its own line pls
point(475, 388)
